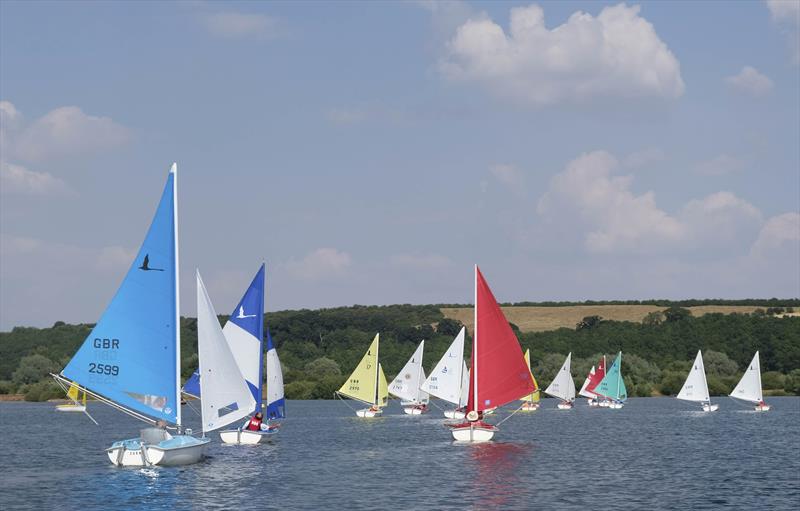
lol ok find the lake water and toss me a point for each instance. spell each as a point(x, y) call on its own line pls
point(656, 453)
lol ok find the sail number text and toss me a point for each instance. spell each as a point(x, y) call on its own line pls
point(106, 344)
point(104, 369)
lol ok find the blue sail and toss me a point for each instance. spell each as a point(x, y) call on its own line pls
point(244, 332)
point(612, 385)
point(276, 404)
point(130, 357)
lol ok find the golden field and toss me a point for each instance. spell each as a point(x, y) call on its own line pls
point(539, 319)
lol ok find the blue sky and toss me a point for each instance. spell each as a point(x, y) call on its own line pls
point(372, 152)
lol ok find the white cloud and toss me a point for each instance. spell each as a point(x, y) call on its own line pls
point(750, 81)
point(589, 199)
point(720, 165)
point(616, 54)
point(17, 180)
point(320, 264)
point(64, 132)
point(232, 24)
point(784, 10)
point(779, 232)
point(508, 175)
point(421, 261)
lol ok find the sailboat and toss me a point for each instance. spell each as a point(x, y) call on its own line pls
point(225, 395)
point(695, 388)
point(595, 376)
point(612, 386)
point(78, 403)
point(368, 383)
point(244, 334)
point(530, 402)
point(749, 387)
point(449, 380)
point(131, 358)
point(563, 386)
point(498, 374)
point(406, 385)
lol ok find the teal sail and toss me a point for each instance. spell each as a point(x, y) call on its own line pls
point(612, 385)
point(131, 355)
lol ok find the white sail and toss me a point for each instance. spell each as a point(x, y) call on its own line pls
point(462, 401)
point(226, 398)
point(696, 387)
point(562, 385)
point(445, 381)
point(406, 384)
point(274, 378)
point(749, 387)
point(424, 397)
point(583, 392)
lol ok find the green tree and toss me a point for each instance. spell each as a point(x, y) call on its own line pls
point(653, 318)
point(449, 327)
point(773, 380)
point(321, 367)
point(32, 369)
point(719, 364)
point(676, 313)
point(588, 322)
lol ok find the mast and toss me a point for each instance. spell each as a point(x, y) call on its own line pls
point(261, 385)
point(174, 171)
point(419, 371)
point(705, 381)
point(760, 391)
point(475, 345)
point(377, 369)
point(619, 373)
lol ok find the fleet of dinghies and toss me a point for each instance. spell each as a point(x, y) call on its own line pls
point(131, 361)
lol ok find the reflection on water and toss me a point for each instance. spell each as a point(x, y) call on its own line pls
point(497, 477)
point(654, 454)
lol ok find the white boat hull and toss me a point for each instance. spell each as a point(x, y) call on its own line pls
point(471, 432)
point(762, 408)
point(415, 409)
point(604, 404)
point(613, 405)
point(710, 408)
point(529, 407)
point(368, 413)
point(454, 414)
point(564, 405)
point(245, 437)
point(593, 403)
point(179, 450)
point(70, 408)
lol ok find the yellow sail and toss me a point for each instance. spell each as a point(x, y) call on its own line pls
point(534, 397)
point(74, 393)
point(383, 387)
point(362, 383)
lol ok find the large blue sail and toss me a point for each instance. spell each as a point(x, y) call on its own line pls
point(276, 404)
point(244, 332)
point(130, 357)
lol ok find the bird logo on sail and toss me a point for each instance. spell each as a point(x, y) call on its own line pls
point(146, 264)
point(242, 315)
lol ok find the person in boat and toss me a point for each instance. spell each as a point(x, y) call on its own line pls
point(256, 423)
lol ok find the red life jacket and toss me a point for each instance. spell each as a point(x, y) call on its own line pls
point(255, 424)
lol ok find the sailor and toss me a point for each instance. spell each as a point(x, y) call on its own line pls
point(256, 424)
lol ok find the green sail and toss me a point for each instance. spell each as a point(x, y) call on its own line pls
point(612, 385)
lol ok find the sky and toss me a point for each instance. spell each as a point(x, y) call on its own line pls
point(371, 153)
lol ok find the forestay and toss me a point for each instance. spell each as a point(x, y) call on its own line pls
point(131, 355)
point(226, 397)
point(563, 386)
point(749, 387)
point(695, 388)
point(449, 377)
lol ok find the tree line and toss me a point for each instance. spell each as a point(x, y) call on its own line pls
point(319, 348)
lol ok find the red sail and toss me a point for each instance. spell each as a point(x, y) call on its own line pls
point(498, 366)
point(598, 375)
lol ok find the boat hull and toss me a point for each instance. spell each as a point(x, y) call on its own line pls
point(762, 408)
point(368, 413)
point(454, 414)
point(176, 451)
point(415, 409)
point(473, 432)
point(245, 437)
point(70, 408)
point(707, 407)
point(604, 404)
point(613, 405)
point(564, 405)
point(593, 403)
point(529, 407)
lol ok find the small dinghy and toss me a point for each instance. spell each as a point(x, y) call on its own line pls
point(695, 388)
point(131, 358)
point(595, 376)
point(563, 386)
point(612, 386)
point(749, 387)
point(78, 403)
point(406, 385)
point(449, 380)
point(368, 383)
point(498, 374)
point(530, 402)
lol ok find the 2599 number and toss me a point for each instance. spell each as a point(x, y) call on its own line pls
point(103, 369)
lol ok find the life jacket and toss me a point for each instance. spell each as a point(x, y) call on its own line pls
point(254, 425)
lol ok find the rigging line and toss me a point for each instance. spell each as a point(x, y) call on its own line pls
point(112, 404)
point(512, 414)
point(344, 401)
point(192, 408)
